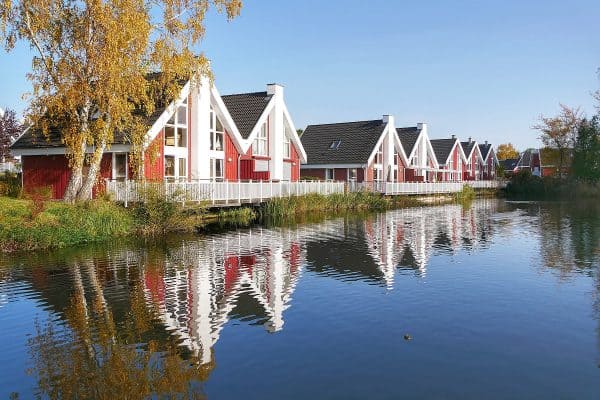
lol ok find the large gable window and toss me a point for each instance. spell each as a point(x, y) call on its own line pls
point(287, 145)
point(176, 128)
point(217, 132)
point(260, 146)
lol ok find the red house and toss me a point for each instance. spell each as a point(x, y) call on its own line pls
point(490, 161)
point(473, 164)
point(450, 158)
point(361, 151)
point(200, 136)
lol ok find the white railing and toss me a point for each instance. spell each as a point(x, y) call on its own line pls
point(218, 193)
point(8, 167)
point(437, 187)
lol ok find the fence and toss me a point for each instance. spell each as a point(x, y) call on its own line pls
point(437, 187)
point(218, 193)
point(235, 193)
point(8, 167)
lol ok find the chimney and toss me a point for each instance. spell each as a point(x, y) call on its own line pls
point(470, 139)
point(388, 119)
point(453, 136)
point(275, 89)
point(421, 126)
point(486, 143)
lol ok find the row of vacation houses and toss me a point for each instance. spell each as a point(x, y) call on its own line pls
point(206, 136)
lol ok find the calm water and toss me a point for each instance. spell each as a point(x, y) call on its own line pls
point(499, 300)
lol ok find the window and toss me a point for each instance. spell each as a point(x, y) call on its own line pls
point(329, 174)
point(379, 155)
point(120, 166)
point(216, 168)
point(287, 145)
point(335, 145)
point(169, 166)
point(217, 132)
point(260, 146)
point(176, 128)
point(352, 174)
point(182, 167)
point(378, 174)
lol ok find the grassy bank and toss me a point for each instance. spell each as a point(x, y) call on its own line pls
point(334, 203)
point(33, 224)
point(27, 226)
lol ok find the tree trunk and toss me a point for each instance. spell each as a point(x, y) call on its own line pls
point(85, 192)
point(560, 163)
point(76, 179)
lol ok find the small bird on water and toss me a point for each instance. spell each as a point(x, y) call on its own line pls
point(407, 337)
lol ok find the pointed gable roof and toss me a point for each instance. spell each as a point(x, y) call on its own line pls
point(246, 109)
point(408, 138)
point(354, 141)
point(468, 147)
point(442, 149)
point(485, 150)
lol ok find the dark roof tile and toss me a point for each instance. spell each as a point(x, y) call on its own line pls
point(246, 109)
point(408, 138)
point(442, 149)
point(357, 141)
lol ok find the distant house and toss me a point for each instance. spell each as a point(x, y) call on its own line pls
point(199, 136)
point(474, 161)
point(422, 163)
point(490, 161)
point(450, 159)
point(530, 160)
point(360, 151)
point(510, 166)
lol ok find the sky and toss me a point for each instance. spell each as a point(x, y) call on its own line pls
point(481, 69)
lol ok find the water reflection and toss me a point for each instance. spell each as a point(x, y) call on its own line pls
point(150, 315)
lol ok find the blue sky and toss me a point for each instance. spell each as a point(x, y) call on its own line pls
point(472, 68)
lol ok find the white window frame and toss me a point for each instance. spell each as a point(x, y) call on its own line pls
point(261, 138)
point(329, 171)
point(215, 133)
point(350, 178)
point(287, 144)
point(114, 166)
point(213, 169)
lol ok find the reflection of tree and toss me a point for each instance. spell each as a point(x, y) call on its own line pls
point(570, 242)
point(94, 358)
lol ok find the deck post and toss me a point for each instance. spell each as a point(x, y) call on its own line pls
point(126, 193)
point(240, 191)
point(261, 191)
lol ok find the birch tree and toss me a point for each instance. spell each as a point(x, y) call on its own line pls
point(560, 132)
point(92, 58)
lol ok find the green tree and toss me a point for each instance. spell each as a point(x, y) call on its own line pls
point(560, 132)
point(91, 61)
point(586, 153)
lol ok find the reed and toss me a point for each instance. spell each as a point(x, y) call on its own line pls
point(334, 203)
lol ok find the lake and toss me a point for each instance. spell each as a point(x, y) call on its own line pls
point(495, 300)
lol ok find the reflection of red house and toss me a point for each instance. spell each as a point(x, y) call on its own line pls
point(201, 135)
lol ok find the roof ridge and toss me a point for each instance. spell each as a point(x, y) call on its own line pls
point(349, 122)
point(246, 93)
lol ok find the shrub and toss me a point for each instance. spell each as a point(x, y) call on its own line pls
point(10, 185)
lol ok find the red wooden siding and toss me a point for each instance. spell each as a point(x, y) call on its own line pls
point(313, 173)
point(46, 171)
point(154, 159)
point(105, 173)
point(231, 159)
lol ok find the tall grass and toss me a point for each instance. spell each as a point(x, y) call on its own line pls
point(60, 225)
point(337, 202)
point(466, 195)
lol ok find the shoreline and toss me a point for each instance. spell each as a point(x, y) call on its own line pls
point(32, 225)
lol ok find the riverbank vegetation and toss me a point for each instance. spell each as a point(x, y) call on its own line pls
point(34, 222)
